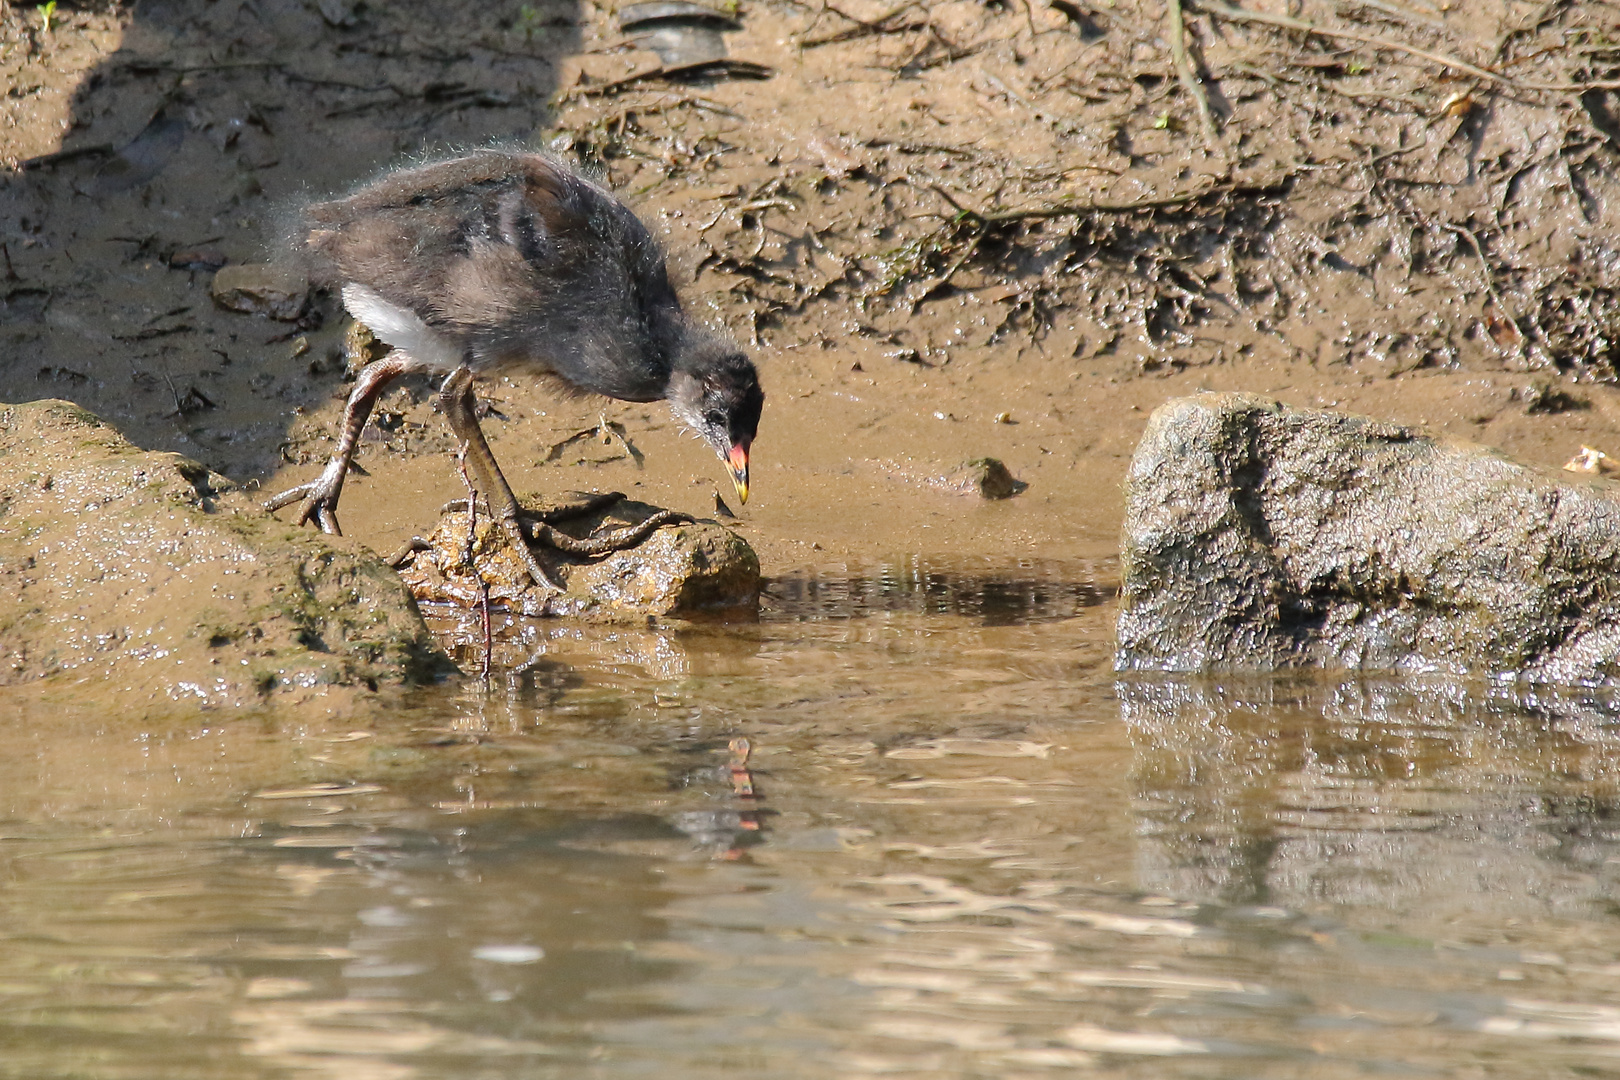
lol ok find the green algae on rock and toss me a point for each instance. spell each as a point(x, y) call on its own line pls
point(144, 577)
point(1260, 537)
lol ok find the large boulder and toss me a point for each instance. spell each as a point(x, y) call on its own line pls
point(143, 579)
point(1259, 537)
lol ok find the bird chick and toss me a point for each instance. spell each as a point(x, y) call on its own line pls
point(512, 262)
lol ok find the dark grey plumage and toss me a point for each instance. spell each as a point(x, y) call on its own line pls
point(500, 260)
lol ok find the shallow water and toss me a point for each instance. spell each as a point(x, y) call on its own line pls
point(968, 851)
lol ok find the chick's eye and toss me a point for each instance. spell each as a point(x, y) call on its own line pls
point(715, 418)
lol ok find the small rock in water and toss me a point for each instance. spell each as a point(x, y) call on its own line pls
point(679, 570)
point(262, 289)
point(984, 477)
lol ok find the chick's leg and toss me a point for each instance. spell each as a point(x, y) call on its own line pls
point(320, 497)
point(458, 405)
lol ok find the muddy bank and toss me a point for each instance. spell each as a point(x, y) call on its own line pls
point(995, 232)
point(157, 583)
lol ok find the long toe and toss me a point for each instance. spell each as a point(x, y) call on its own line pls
point(317, 508)
point(288, 497)
point(603, 543)
point(515, 536)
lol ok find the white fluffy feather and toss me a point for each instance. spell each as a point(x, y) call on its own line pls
point(401, 328)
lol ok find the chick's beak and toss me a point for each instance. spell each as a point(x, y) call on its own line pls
point(737, 460)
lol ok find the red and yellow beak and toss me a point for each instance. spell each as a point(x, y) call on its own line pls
point(737, 461)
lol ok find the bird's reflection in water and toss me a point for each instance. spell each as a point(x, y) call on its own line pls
point(726, 832)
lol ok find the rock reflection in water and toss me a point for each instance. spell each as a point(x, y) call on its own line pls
point(1386, 793)
point(1032, 591)
point(525, 649)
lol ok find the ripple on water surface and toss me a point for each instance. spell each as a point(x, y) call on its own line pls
point(906, 824)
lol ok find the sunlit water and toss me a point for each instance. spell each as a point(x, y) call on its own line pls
point(954, 846)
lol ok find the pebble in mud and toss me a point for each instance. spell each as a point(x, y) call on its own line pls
point(261, 289)
point(986, 477)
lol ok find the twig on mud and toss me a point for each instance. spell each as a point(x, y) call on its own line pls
point(1398, 151)
point(766, 204)
point(866, 27)
point(1405, 14)
point(962, 211)
point(923, 148)
point(59, 156)
point(725, 67)
point(1496, 315)
point(1189, 77)
point(1227, 11)
point(1029, 17)
point(612, 433)
point(1039, 213)
point(944, 279)
point(1479, 249)
point(756, 205)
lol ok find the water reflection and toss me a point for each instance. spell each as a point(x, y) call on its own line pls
point(1393, 794)
point(509, 969)
point(882, 840)
point(1031, 590)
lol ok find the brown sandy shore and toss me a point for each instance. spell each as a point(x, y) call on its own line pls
point(945, 231)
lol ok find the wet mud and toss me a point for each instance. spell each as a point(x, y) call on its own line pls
point(144, 582)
